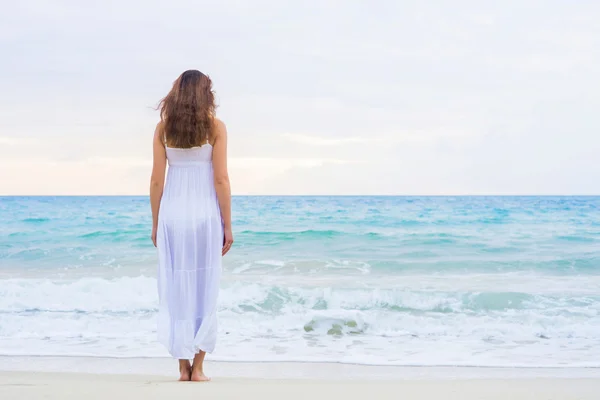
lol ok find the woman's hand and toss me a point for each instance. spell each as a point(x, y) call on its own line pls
point(154, 230)
point(227, 240)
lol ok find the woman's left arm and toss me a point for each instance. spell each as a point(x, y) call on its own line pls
point(157, 181)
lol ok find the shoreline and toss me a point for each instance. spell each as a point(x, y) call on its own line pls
point(166, 367)
point(71, 386)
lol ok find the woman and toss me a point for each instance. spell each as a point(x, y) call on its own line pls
point(191, 219)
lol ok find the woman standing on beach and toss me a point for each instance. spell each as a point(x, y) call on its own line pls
point(191, 219)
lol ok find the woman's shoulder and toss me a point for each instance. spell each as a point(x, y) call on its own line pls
point(159, 131)
point(219, 127)
point(218, 123)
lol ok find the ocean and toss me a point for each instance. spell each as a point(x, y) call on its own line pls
point(411, 281)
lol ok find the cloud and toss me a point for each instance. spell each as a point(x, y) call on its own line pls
point(322, 141)
point(283, 163)
point(320, 97)
point(424, 136)
point(16, 141)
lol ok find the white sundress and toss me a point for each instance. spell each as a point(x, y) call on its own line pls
point(189, 241)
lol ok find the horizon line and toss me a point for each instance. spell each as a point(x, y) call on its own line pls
point(317, 195)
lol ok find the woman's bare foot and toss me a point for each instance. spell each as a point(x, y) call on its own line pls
point(185, 369)
point(197, 368)
point(198, 376)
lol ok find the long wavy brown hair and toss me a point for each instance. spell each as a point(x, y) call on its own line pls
point(187, 112)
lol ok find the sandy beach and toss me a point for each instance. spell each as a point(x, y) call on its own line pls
point(65, 386)
point(108, 378)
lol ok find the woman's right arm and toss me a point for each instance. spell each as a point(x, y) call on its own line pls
point(221, 178)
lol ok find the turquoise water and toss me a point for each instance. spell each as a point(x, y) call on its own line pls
point(495, 281)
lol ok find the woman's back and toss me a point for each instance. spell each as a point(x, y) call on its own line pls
point(191, 176)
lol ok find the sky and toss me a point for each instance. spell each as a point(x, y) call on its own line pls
point(332, 97)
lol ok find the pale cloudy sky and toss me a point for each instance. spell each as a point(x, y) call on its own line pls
point(319, 97)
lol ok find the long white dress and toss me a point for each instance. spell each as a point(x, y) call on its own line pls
point(189, 241)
